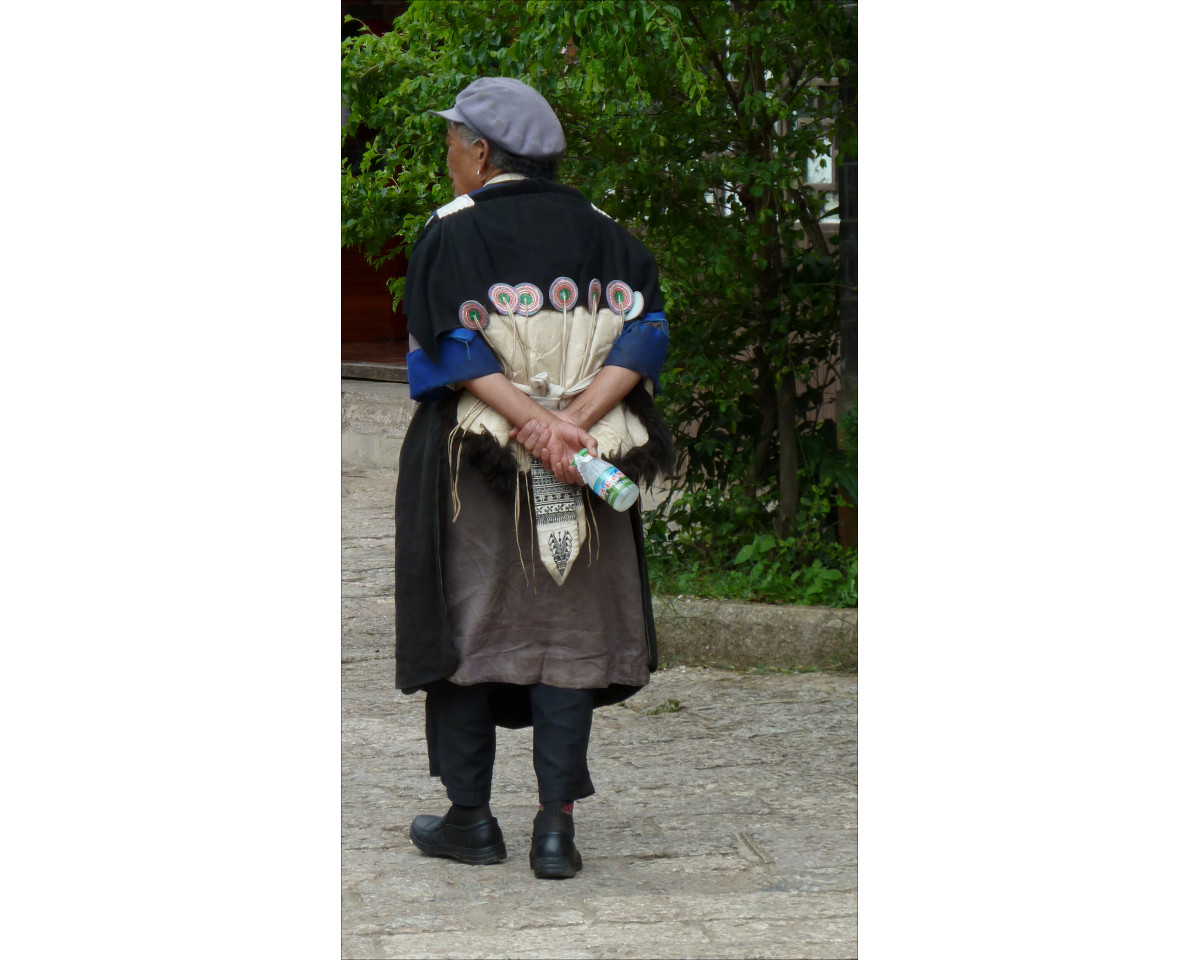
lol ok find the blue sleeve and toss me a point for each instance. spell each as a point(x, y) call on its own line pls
point(642, 346)
point(462, 355)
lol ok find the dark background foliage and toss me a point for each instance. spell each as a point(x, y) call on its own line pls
point(692, 123)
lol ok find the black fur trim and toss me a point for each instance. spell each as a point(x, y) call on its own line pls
point(656, 456)
point(496, 463)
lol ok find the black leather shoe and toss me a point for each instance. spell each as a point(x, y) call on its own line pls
point(476, 843)
point(553, 856)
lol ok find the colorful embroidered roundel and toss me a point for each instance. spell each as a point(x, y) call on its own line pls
point(593, 295)
point(473, 315)
point(620, 297)
point(563, 293)
point(529, 299)
point(503, 296)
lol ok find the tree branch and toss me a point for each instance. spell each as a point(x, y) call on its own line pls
point(735, 98)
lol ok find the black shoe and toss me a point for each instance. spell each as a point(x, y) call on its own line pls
point(552, 853)
point(553, 856)
point(476, 843)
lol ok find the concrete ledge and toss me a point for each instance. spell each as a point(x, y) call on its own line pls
point(375, 417)
point(732, 634)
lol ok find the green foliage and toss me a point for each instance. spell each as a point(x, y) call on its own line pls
point(713, 542)
point(691, 123)
point(708, 545)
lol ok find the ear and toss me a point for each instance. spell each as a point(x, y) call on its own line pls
point(483, 151)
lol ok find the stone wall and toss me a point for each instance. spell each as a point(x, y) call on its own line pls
point(375, 417)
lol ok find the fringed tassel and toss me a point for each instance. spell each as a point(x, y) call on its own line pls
point(521, 340)
point(455, 458)
point(594, 307)
point(517, 529)
point(533, 541)
point(460, 430)
point(589, 523)
point(562, 356)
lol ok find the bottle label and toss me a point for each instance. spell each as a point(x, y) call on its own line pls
point(605, 480)
point(610, 484)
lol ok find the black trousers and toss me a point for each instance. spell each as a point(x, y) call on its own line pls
point(460, 729)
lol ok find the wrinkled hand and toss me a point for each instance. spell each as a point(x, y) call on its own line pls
point(555, 442)
point(532, 436)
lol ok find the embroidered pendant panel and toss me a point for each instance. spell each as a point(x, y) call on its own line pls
point(559, 521)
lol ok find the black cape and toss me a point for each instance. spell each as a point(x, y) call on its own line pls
point(527, 231)
point(523, 231)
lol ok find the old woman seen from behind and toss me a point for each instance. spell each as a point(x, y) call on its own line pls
point(536, 330)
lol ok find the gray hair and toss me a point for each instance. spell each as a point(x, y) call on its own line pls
point(504, 161)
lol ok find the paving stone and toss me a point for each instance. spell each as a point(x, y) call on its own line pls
point(727, 828)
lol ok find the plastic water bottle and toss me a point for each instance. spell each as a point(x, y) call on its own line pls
point(606, 481)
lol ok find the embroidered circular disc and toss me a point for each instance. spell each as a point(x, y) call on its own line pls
point(563, 293)
point(593, 295)
point(620, 297)
point(529, 299)
point(503, 296)
point(473, 315)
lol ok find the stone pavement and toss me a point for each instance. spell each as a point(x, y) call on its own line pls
point(724, 823)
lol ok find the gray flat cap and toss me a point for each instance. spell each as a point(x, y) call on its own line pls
point(512, 114)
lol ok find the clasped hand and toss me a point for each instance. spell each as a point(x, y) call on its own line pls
point(555, 442)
